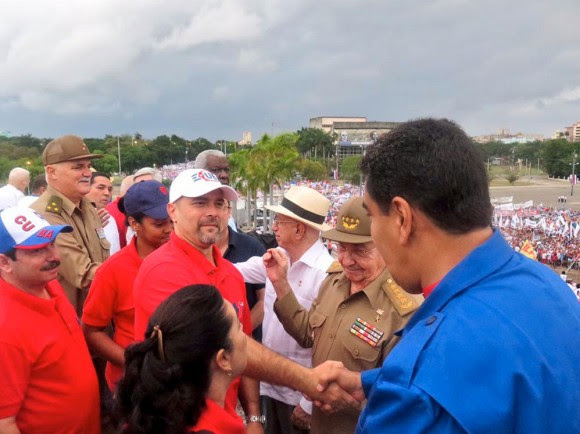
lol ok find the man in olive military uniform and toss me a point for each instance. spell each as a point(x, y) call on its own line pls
point(67, 163)
point(358, 309)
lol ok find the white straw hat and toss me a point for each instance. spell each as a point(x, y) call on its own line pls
point(305, 205)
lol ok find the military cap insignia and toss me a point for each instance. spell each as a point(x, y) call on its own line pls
point(54, 204)
point(402, 301)
point(335, 267)
point(350, 223)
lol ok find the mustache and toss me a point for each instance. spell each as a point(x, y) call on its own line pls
point(209, 221)
point(50, 266)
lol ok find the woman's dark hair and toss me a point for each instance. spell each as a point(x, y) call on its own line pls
point(165, 392)
point(138, 216)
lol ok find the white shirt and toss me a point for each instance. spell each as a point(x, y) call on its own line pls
point(26, 201)
point(112, 235)
point(9, 196)
point(305, 277)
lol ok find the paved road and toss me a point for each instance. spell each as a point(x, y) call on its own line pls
point(541, 190)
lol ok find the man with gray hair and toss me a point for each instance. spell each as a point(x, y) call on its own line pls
point(37, 187)
point(147, 174)
point(215, 162)
point(11, 193)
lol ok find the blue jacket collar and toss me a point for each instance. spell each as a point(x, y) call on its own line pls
point(478, 264)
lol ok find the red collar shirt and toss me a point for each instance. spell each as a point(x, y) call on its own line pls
point(110, 299)
point(47, 378)
point(177, 264)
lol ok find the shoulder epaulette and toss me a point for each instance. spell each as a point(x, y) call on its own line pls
point(403, 302)
point(54, 204)
point(335, 267)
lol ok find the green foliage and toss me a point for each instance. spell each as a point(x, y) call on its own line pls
point(490, 176)
point(271, 161)
point(108, 164)
point(350, 169)
point(512, 177)
point(557, 157)
point(314, 141)
point(313, 170)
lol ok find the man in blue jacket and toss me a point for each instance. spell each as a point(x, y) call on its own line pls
point(495, 346)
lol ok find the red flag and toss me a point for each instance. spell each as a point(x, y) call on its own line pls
point(528, 250)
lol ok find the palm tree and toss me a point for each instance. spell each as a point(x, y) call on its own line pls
point(277, 159)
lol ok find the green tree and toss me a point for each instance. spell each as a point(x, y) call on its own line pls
point(512, 177)
point(313, 170)
point(108, 164)
point(315, 143)
point(135, 157)
point(350, 169)
point(271, 162)
point(557, 156)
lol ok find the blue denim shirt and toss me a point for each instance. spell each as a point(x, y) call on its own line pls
point(494, 348)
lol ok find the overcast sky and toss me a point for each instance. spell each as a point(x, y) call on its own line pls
point(216, 68)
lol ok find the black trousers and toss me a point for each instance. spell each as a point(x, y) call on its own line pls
point(278, 417)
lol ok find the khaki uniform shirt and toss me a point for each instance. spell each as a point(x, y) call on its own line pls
point(327, 329)
point(82, 250)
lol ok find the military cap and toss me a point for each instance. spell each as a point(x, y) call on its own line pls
point(66, 148)
point(353, 224)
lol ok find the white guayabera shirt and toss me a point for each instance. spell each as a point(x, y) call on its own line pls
point(305, 277)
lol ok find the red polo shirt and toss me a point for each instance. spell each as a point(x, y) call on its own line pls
point(47, 378)
point(177, 264)
point(216, 420)
point(111, 299)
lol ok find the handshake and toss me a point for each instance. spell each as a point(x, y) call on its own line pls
point(335, 388)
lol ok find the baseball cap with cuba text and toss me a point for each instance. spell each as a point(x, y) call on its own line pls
point(23, 228)
point(66, 148)
point(197, 183)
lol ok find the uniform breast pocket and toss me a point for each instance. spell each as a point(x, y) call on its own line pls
point(316, 321)
point(105, 244)
point(361, 355)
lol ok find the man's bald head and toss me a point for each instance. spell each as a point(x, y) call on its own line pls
point(19, 178)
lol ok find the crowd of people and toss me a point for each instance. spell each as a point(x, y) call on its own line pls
point(553, 233)
point(152, 313)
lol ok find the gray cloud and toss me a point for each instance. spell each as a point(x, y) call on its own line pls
point(216, 68)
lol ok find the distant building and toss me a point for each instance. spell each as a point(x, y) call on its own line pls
point(573, 132)
point(353, 137)
point(504, 136)
point(325, 123)
point(246, 138)
point(351, 134)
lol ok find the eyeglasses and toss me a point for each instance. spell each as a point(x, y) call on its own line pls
point(355, 252)
point(280, 222)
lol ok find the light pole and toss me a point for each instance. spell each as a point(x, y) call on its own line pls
point(362, 154)
point(573, 179)
point(119, 154)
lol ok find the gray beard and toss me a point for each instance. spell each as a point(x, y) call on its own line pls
point(208, 239)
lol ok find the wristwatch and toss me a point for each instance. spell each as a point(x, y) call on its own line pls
point(261, 419)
